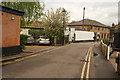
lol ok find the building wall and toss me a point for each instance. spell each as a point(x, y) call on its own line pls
point(10, 30)
point(24, 31)
point(0, 29)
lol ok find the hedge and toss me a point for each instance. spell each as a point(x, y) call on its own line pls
point(23, 40)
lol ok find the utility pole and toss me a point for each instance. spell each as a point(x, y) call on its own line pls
point(63, 12)
point(83, 14)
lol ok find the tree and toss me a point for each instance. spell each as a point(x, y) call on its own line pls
point(33, 10)
point(53, 22)
point(36, 33)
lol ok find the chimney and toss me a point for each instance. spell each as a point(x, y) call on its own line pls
point(113, 25)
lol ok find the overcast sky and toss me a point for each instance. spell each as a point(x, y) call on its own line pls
point(104, 11)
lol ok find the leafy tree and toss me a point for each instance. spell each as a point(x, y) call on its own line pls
point(54, 22)
point(33, 10)
point(36, 33)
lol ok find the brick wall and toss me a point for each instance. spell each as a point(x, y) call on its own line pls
point(10, 29)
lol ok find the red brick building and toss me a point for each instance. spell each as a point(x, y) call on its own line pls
point(10, 30)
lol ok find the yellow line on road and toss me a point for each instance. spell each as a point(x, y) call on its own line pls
point(20, 59)
point(84, 66)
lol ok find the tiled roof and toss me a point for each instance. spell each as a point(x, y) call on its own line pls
point(87, 22)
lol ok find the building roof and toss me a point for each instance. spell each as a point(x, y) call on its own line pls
point(87, 22)
point(12, 11)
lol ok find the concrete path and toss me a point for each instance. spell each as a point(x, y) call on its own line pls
point(101, 68)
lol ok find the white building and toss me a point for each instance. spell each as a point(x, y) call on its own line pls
point(24, 31)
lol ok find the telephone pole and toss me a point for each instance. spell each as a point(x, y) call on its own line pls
point(83, 14)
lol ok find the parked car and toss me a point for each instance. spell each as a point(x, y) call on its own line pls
point(43, 40)
point(30, 40)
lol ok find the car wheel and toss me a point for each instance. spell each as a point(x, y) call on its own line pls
point(48, 44)
point(33, 44)
point(38, 44)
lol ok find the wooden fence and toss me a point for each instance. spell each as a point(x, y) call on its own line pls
point(105, 50)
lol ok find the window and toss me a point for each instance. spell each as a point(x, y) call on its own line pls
point(90, 27)
point(103, 29)
point(98, 28)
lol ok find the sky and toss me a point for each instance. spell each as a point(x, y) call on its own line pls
point(104, 11)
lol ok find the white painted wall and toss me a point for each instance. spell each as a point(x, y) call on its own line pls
point(70, 31)
point(24, 31)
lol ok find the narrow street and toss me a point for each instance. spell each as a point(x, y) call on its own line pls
point(60, 39)
point(63, 62)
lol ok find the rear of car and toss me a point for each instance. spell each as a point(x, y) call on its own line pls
point(43, 40)
point(30, 40)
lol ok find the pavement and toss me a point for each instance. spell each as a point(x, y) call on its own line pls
point(113, 60)
point(29, 50)
point(102, 68)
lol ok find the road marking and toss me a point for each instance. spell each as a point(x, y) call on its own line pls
point(86, 65)
point(41, 53)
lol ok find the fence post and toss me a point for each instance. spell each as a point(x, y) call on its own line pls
point(118, 64)
point(106, 50)
point(55, 40)
point(108, 53)
point(101, 45)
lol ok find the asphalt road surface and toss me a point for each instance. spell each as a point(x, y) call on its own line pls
point(71, 61)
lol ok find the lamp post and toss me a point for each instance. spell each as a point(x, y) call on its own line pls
point(63, 14)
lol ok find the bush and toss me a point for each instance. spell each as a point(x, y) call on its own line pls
point(119, 34)
point(36, 33)
point(106, 41)
point(66, 39)
point(23, 40)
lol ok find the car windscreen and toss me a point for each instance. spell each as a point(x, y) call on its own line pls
point(44, 37)
point(30, 37)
